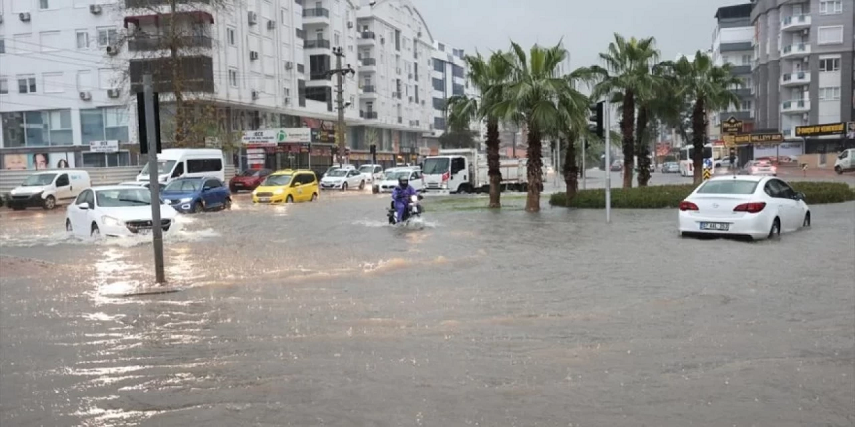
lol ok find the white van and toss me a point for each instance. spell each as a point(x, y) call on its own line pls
point(845, 161)
point(48, 189)
point(190, 162)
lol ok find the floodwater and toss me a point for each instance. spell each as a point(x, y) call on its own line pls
point(321, 315)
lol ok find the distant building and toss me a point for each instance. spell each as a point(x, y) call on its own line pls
point(732, 44)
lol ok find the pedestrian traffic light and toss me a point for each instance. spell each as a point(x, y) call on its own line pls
point(595, 120)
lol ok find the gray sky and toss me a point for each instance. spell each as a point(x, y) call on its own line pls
point(587, 26)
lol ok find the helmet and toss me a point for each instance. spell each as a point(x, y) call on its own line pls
point(404, 181)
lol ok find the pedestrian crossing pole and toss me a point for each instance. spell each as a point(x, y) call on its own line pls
point(707, 173)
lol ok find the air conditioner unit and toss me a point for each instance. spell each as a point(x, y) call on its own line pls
point(113, 93)
point(255, 94)
point(112, 50)
point(86, 96)
point(24, 16)
point(289, 65)
point(253, 55)
point(95, 9)
point(252, 18)
point(271, 25)
point(349, 24)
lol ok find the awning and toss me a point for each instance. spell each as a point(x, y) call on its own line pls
point(201, 16)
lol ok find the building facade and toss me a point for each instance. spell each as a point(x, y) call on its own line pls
point(732, 44)
point(803, 73)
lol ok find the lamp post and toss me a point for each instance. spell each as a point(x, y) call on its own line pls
point(340, 73)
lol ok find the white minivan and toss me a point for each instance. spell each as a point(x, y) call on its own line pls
point(845, 161)
point(188, 163)
point(47, 189)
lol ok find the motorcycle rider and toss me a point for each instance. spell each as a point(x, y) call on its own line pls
point(401, 196)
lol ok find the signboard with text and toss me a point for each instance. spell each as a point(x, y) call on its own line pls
point(732, 125)
point(111, 146)
point(821, 130)
point(757, 138)
point(275, 136)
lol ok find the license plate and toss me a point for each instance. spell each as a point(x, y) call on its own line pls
point(264, 199)
point(715, 226)
point(237, 184)
point(144, 232)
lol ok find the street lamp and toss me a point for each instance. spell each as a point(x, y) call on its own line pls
point(340, 105)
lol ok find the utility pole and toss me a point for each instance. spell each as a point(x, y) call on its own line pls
point(584, 153)
point(153, 176)
point(607, 112)
point(340, 73)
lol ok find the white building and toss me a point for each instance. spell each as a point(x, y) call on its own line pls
point(448, 79)
point(732, 41)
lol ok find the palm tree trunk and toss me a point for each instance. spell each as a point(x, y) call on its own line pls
point(571, 170)
point(627, 125)
point(641, 148)
point(535, 169)
point(698, 133)
point(493, 164)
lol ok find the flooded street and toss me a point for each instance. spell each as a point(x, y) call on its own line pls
point(319, 314)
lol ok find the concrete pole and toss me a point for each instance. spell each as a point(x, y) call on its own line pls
point(153, 176)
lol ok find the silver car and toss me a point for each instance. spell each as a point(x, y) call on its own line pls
point(759, 167)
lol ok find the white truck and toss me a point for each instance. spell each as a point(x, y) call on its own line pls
point(465, 171)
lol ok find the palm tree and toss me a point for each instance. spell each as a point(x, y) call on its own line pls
point(627, 74)
point(545, 102)
point(487, 76)
point(708, 86)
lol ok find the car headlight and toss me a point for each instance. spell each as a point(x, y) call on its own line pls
point(253, 193)
point(164, 178)
point(186, 200)
point(414, 199)
point(110, 221)
point(278, 191)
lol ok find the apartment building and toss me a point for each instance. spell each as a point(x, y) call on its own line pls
point(448, 79)
point(732, 44)
point(804, 69)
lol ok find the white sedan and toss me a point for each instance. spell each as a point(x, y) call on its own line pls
point(390, 180)
point(371, 173)
point(114, 211)
point(342, 179)
point(744, 205)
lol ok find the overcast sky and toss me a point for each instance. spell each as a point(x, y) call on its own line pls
point(587, 26)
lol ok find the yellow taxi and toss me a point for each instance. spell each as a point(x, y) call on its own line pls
point(287, 186)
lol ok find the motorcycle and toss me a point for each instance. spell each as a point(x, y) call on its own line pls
point(412, 213)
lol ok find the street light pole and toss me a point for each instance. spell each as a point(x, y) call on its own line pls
point(340, 73)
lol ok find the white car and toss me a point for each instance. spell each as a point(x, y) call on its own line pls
point(744, 205)
point(390, 180)
point(144, 184)
point(371, 173)
point(342, 179)
point(117, 210)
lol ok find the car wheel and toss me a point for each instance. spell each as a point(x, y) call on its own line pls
point(289, 199)
point(806, 222)
point(197, 207)
point(49, 203)
point(775, 231)
point(839, 170)
point(95, 233)
point(68, 226)
point(344, 186)
point(17, 208)
point(228, 204)
point(362, 185)
point(314, 197)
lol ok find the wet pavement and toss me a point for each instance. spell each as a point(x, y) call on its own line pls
point(321, 315)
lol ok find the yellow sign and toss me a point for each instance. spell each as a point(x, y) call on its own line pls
point(731, 125)
point(757, 138)
point(820, 130)
point(707, 173)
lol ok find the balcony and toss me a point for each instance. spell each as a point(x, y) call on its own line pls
point(800, 50)
point(738, 70)
point(148, 44)
point(795, 23)
point(146, 4)
point(197, 74)
point(742, 92)
point(316, 15)
point(368, 65)
point(368, 92)
point(368, 115)
point(301, 33)
point(320, 75)
point(316, 44)
point(798, 106)
point(367, 38)
point(795, 79)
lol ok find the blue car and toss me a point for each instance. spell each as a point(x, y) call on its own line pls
point(194, 195)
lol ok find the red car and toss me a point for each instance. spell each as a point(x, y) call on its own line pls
point(248, 179)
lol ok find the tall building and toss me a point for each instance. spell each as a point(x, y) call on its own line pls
point(732, 44)
point(804, 69)
point(448, 79)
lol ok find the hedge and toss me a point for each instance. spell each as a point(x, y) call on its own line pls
point(670, 196)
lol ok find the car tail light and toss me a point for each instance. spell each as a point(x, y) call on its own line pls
point(774, 169)
point(688, 206)
point(753, 169)
point(446, 176)
point(752, 207)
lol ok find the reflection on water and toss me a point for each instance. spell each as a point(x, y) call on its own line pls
point(308, 315)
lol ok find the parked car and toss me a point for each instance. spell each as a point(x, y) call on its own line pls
point(342, 179)
point(670, 167)
point(390, 180)
point(754, 206)
point(143, 184)
point(759, 167)
point(194, 195)
point(336, 166)
point(118, 210)
point(845, 161)
point(287, 186)
point(248, 180)
point(617, 166)
point(48, 189)
point(371, 173)
point(177, 163)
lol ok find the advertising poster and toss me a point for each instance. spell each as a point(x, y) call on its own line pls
point(850, 130)
point(61, 160)
point(38, 161)
point(16, 162)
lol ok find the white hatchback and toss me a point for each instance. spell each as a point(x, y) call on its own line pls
point(743, 205)
point(117, 210)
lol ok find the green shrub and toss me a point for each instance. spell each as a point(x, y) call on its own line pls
point(670, 196)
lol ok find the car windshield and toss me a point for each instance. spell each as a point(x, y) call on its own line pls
point(436, 166)
point(276, 180)
point(39, 179)
point(728, 187)
point(337, 172)
point(123, 197)
point(401, 174)
point(764, 163)
point(184, 186)
point(366, 169)
point(163, 166)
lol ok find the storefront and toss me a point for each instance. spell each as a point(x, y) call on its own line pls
point(387, 160)
point(286, 148)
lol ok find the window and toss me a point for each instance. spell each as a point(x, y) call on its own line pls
point(62, 181)
point(2, 46)
point(456, 89)
point(829, 93)
point(107, 37)
point(439, 123)
point(211, 183)
point(439, 85)
point(233, 78)
point(4, 85)
point(829, 64)
point(99, 124)
point(116, 123)
point(50, 41)
point(204, 165)
point(37, 128)
point(746, 106)
point(53, 83)
point(230, 36)
point(830, 7)
point(23, 43)
point(82, 39)
point(438, 65)
point(84, 80)
point(44, 4)
point(746, 59)
point(337, 39)
point(26, 84)
point(102, 160)
point(830, 35)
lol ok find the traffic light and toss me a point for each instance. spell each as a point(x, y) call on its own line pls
point(595, 120)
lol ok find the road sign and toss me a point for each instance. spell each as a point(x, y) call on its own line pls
point(731, 125)
point(821, 130)
point(753, 138)
point(707, 173)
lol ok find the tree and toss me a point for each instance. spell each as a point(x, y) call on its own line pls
point(544, 101)
point(372, 137)
point(488, 76)
point(456, 138)
point(626, 73)
point(708, 86)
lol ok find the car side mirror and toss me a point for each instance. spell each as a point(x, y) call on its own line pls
point(206, 189)
point(84, 206)
point(799, 196)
